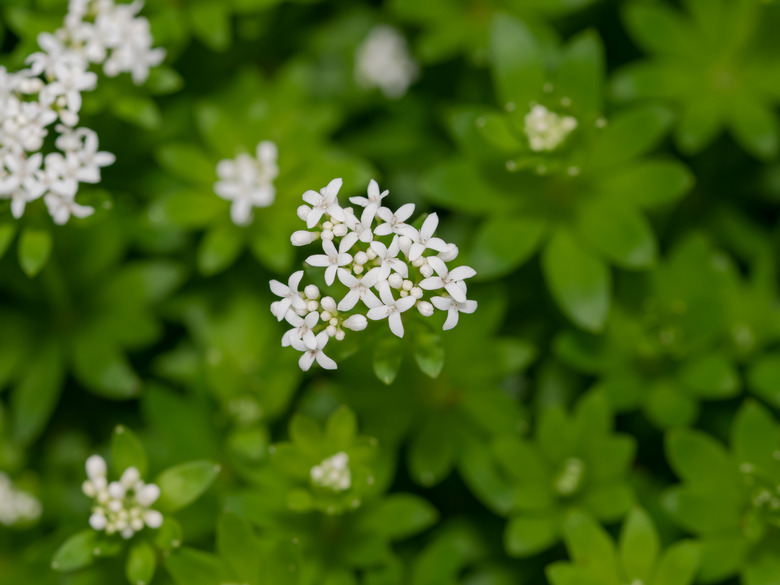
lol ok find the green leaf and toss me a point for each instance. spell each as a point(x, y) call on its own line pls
point(341, 427)
point(755, 127)
point(431, 453)
point(220, 248)
point(526, 536)
point(764, 378)
point(211, 24)
point(37, 393)
point(763, 569)
point(630, 134)
point(138, 110)
point(399, 516)
point(668, 405)
point(76, 552)
point(678, 565)
point(458, 184)
point(517, 61)
point(388, 354)
point(711, 376)
point(755, 436)
point(658, 28)
point(655, 80)
point(721, 557)
point(188, 162)
point(700, 122)
point(503, 243)
point(238, 547)
point(7, 233)
point(183, 484)
point(498, 131)
point(127, 451)
point(141, 564)
point(169, 535)
point(34, 250)
point(193, 567)
point(102, 367)
point(619, 232)
point(578, 280)
point(702, 461)
point(647, 184)
point(638, 546)
point(580, 75)
point(590, 545)
point(429, 353)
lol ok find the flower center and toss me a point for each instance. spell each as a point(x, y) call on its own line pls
point(569, 480)
point(333, 473)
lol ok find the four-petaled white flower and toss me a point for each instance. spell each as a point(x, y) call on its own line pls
point(331, 260)
point(374, 199)
point(391, 309)
point(453, 308)
point(424, 239)
point(310, 355)
point(394, 221)
point(359, 289)
point(450, 280)
point(324, 202)
point(289, 293)
point(248, 181)
point(303, 329)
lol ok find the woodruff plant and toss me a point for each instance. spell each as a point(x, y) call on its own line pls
point(381, 267)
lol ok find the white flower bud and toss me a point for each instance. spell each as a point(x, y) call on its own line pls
point(407, 285)
point(153, 518)
point(327, 226)
point(361, 258)
point(425, 308)
point(96, 467)
point(340, 230)
point(355, 322)
point(126, 533)
point(327, 235)
point(371, 254)
point(98, 520)
point(418, 262)
point(89, 489)
point(416, 292)
point(340, 335)
point(147, 495)
point(426, 270)
point(326, 316)
point(303, 212)
point(330, 330)
point(137, 524)
point(121, 524)
point(357, 269)
point(115, 505)
point(116, 490)
point(404, 293)
point(130, 477)
point(449, 254)
point(395, 280)
point(329, 304)
point(312, 306)
point(311, 291)
point(333, 321)
point(303, 238)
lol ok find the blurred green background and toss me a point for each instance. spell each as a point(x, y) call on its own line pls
point(607, 416)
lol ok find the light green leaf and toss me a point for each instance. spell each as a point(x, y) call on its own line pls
point(526, 536)
point(580, 75)
point(188, 162)
point(700, 122)
point(517, 61)
point(667, 405)
point(220, 248)
point(37, 393)
point(579, 281)
point(679, 564)
point(388, 354)
point(127, 451)
point(638, 546)
point(399, 516)
point(188, 566)
point(755, 127)
point(701, 460)
point(590, 545)
point(211, 24)
point(711, 376)
point(238, 547)
point(431, 453)
point(755, 436)
point(183, 484)
point(141, 564)
point(34, 250)
point(658, 28)
point(103, 368)
point(7, 233)
point(630, 134)
point(647, 184)
point(341, 427)
point(503, 243)
point(429, 352)
point(764, 378)
point(76, 552)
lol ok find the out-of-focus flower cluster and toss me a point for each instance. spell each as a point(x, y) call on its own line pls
point(378, 267)
point(16, 506)
point(48, 92)
point(383, 61)
point(248, 182)
point(120, 506)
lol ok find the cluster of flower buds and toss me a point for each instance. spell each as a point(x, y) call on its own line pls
point(48, 92)
point(16, 506)
point(547, 130)
point(248, 182)
point(383, 61)
point(333, 473)
point(120, 506)
point(377, 266)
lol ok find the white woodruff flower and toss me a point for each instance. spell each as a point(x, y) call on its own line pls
point(122, 506)
point(16, 506)
point(248, 181)
point(95, 32)
point(333, 473)
point(547, 130)
point(376, 267)
point(383, 61)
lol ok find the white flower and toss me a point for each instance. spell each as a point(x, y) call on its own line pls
point(324, 202)
point(391, 309)
point(70, 81)
point(16, 506)
point(248, 181)
point(333, 473)
point(423, 240)
point(303, 330)
point(453, 309)
point(547, 130)
point(390, 262)
point(360, 229)
point(359, 289)
point(289, 293)
point(331, 260)
point(374, 199)
point(312, 354)
point(394, 222)
point(383, 61)
point(61, 208)
point(450, 280)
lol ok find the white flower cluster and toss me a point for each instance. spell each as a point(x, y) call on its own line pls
point(380, 265)
point(120, 506)
point(49, 92)
point(383, 61)
point(16, 506)
point(333, 473)
point(248, 182)
point(546, 130)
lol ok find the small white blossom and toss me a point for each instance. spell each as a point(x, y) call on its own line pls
point(16, 506)
point(311, 354)
point(383, 61)
point(325, 201)
point(289, 293)
point(333, 473)
point(453, 309)
point(391, 309)
point(331, 260)
point(248, 181)
point(451, 280)
point(424, 240)
point(547, 130)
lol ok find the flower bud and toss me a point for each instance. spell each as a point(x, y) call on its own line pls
point(115, 490)
point(329, 304)
point(303, 212)
point(330, 330)
point(416, 292)
point(355, 322)
point(340, 335)
point(449, 254)
point(311, 291)
point(340, 230)
point(153, 518)
point(303, 238)
point(148, 494)
point(426, 270)
point(404, 244)
point(98, 520)
point(327, 235)
point(312, 306)
point(407, 285)
point(361, 258)
point(130, 477)
point(395, 280)
point(96, 467)
point(425, 308)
